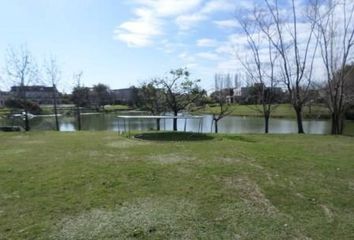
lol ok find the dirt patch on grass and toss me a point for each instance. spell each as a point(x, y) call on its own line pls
point(328, 213)
point(228, 160)
point(171, 158)
point(251, 194)
point(252, 215)
point(124, 144)
point(13, 151)
point(351, 185)
point(33, 142)
point(142, 219)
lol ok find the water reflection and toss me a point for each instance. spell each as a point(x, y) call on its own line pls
point(231, 124)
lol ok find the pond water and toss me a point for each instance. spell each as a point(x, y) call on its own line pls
point(230, 124)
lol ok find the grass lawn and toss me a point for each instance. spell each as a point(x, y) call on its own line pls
point(281, 111)
point(4, 112)
point(112, 108)
point(98, 185)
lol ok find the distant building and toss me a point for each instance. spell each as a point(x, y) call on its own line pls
point(3, 97)
point(125, 95)
point(37, 94)
point(250, 95)
point(225, 93)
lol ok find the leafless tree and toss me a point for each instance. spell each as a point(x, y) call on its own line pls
point(223, 87)
point(335, 33)
point(22, 70)
point(77, 77)
point(53, 73)
point(261, 71)
point(292, 35)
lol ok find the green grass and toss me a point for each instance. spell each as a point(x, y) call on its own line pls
point(4, 112)
point(281, 111)
point(112, 108)
point(48, 109)
point(98, 185)
point(349, 128)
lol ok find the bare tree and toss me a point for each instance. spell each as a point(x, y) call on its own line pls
point(22, 70)
point(79, 99)
point(261, 71)
point(336, 40)
point(53, 76)
point(223, 90)
point(292, 35)
point(179, 91)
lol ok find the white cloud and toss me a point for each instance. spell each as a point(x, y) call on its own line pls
point(230, 23)
point(186, 22)
point(208, 56)
point(139, 32)
point(207, 42)
point(218, 5)
point(168, 8)
point(150, 16)
point(185, 56)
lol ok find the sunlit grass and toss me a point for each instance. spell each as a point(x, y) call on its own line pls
point(99, 185)
point(280, 111)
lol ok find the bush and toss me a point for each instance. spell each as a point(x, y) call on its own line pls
point(350, 113)
point(31, 107)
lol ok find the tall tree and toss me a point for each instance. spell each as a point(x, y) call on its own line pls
point(261, 71)
point(180, 91)
point(22, 69)
point(335, 33)
point(292, 35)
point(53, 73)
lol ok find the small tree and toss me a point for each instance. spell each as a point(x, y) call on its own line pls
point(179, 91)
point(223, 86)
point(102, 95)
point(53, 76)
point(22, 69)
point(80, 97)
point(152, 99)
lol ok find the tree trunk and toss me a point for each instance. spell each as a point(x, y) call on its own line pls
point(78, 119)
point(266, 122)
point(334, 120)
point(158, 125)
point(27, 125)
point(337, 123)
point(55, 109)
point(175, 121)
point(300, 127)
point(341, 128)
point(216, 126)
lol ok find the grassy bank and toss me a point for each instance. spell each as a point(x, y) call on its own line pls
point(281, 111)
point(4, 112)
point(70, 108)
point(98, 185)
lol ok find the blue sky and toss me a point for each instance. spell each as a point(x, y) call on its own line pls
point(123, 42)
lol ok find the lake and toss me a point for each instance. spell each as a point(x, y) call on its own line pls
point(230, 124)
